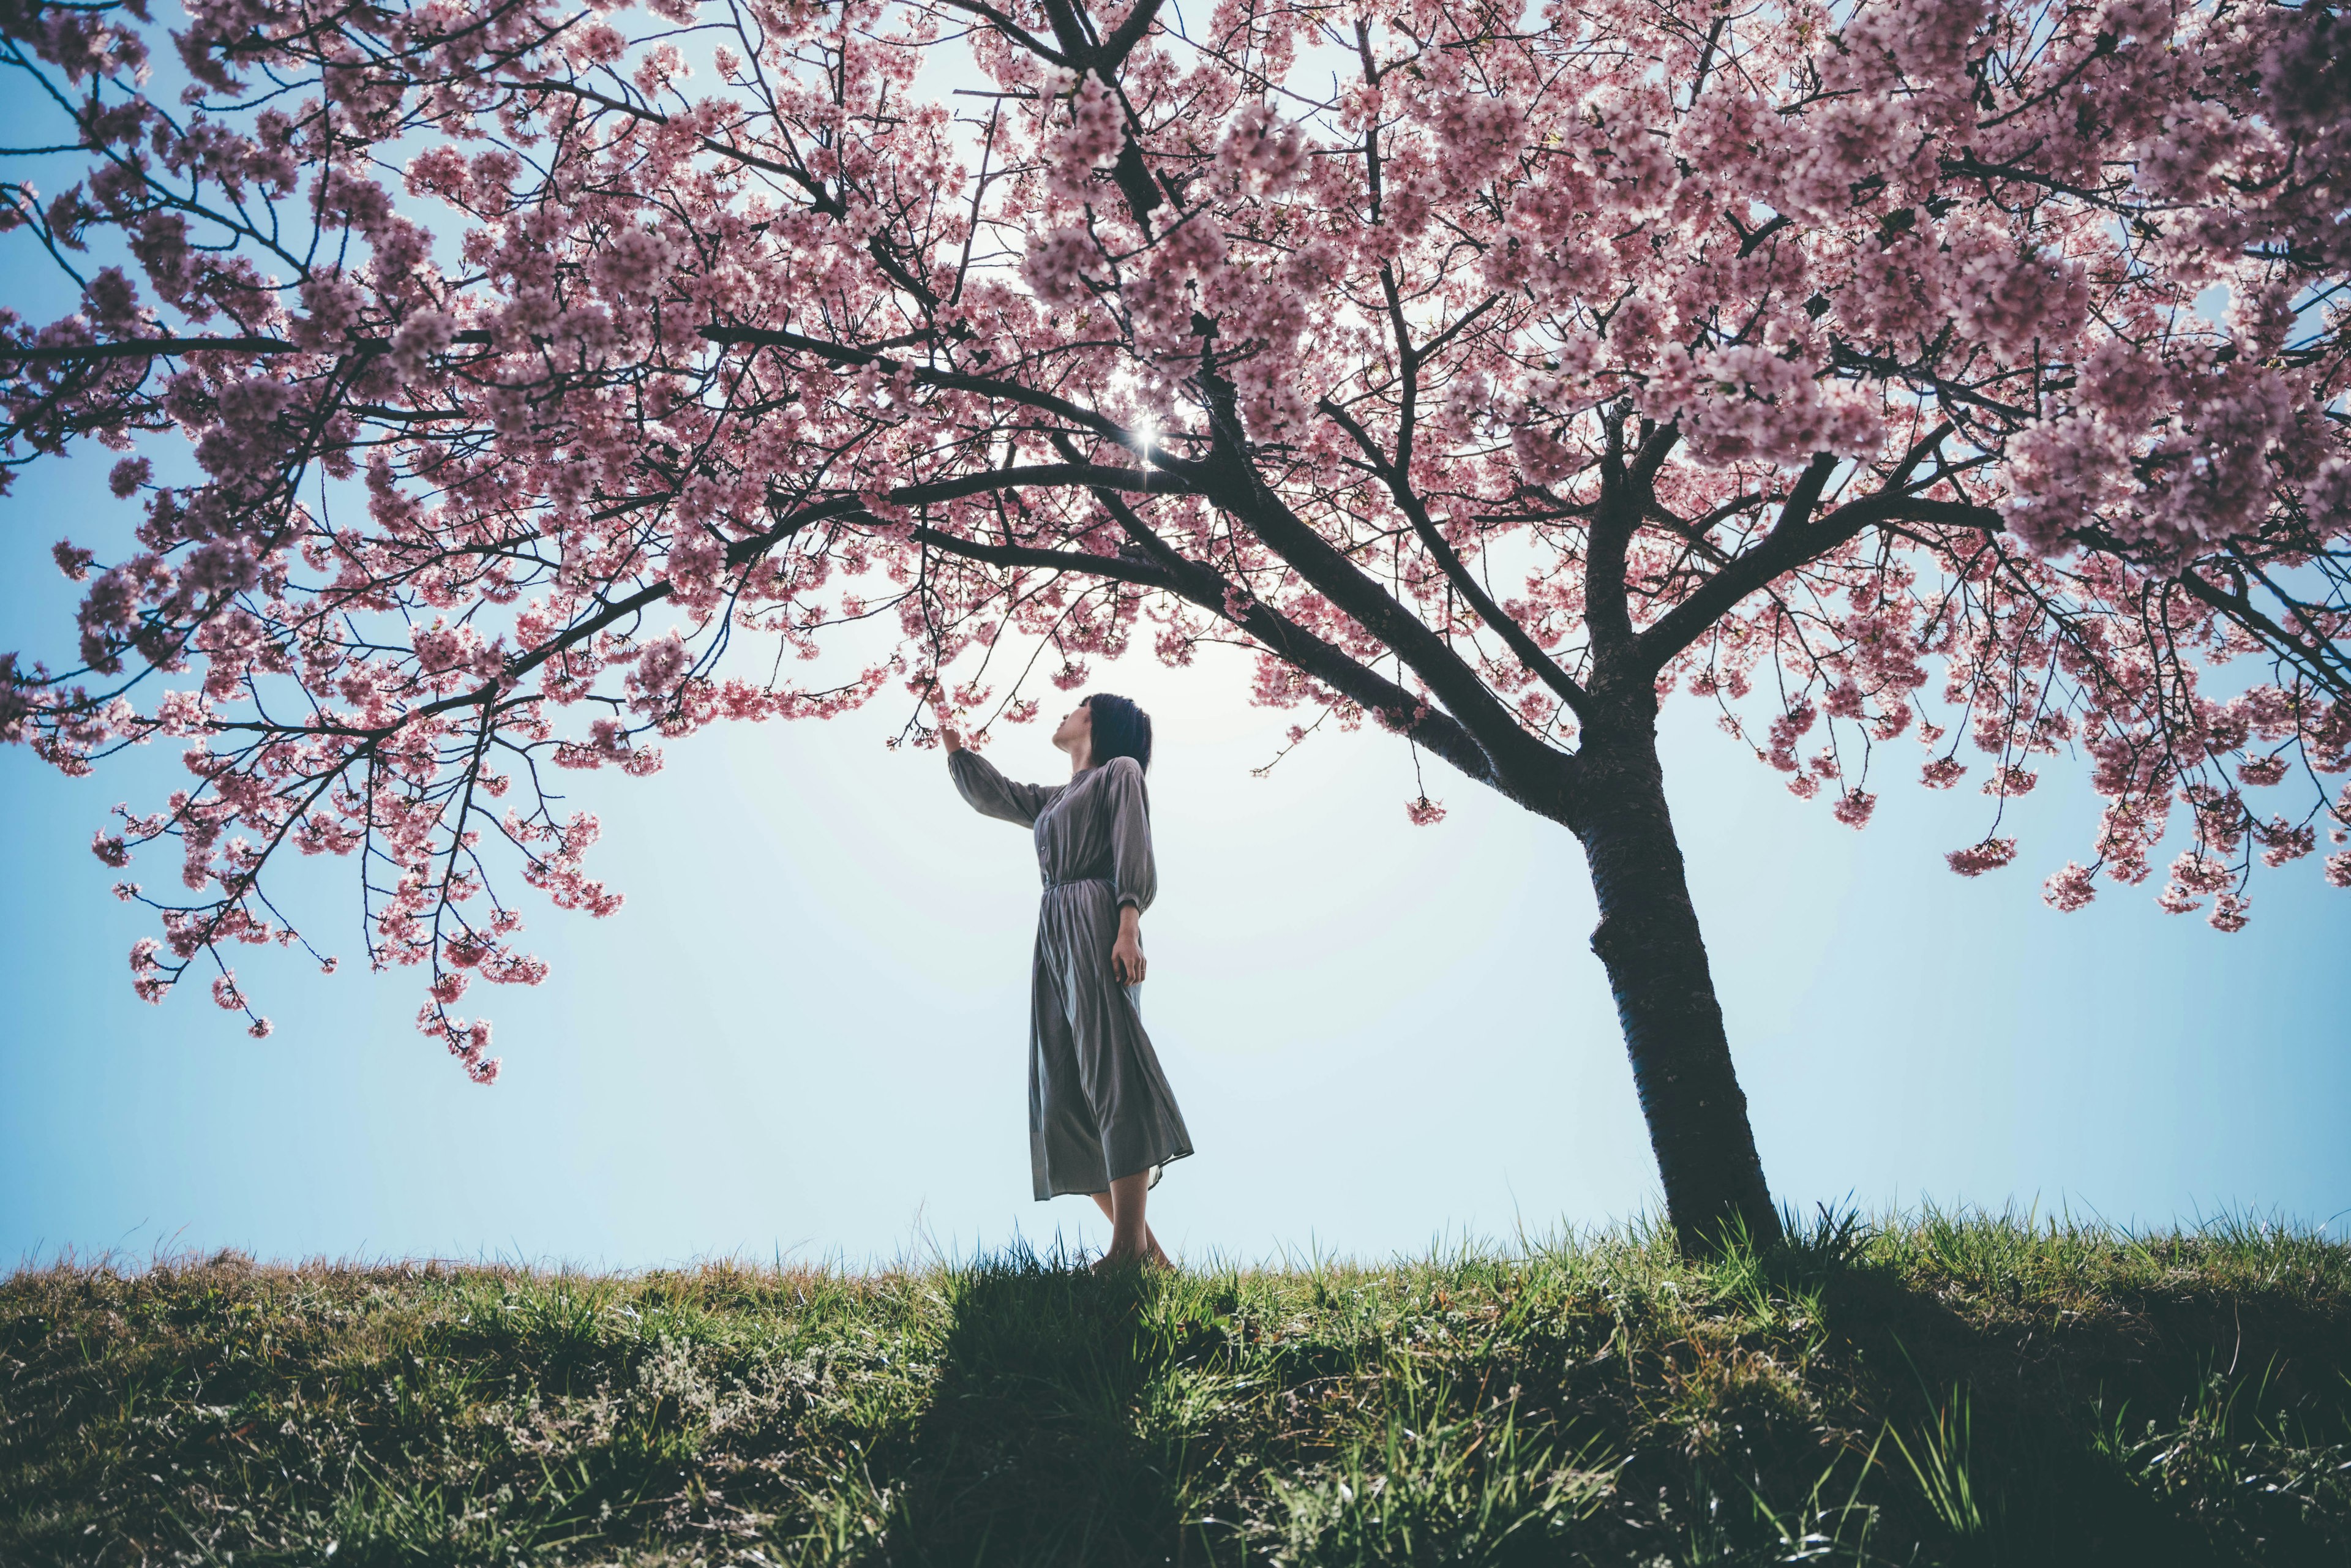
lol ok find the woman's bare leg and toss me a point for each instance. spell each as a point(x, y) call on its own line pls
point(1130, 1239)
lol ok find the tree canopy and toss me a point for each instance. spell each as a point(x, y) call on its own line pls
point(558, 378)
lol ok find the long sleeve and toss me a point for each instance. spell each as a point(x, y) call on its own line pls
point(991, 794)
point(1134, 877)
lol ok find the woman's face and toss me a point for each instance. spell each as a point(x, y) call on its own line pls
point(1076, 725)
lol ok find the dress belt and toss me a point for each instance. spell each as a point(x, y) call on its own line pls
point(1071, 882)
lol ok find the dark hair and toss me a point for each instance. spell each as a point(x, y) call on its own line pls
point(1120, 729)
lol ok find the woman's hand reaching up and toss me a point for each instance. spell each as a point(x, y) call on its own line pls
point(950, 736)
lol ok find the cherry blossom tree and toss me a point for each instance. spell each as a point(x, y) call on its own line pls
point(1970, 370)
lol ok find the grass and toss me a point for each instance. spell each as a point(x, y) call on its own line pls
point(1941, 1388)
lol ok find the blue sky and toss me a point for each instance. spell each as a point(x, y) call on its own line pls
point(804, 1035)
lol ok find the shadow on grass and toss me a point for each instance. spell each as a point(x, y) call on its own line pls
point(1028, 1452)
point(1971, 1437)
point(2028, 1438)
point(1992, 1454)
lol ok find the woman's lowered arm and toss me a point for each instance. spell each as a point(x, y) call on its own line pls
point(1134, 877)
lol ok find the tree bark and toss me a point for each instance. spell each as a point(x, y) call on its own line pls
point(1648, 937)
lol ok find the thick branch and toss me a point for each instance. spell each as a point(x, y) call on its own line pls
point(1282, 636)
point(1120, 568)
point(1013, 30)
point(152, 348)
point(2309, 656)
point(952, 381)
point(1791, 544)
point(1043, 475)
point(1232, 483)
point(141, 347)
point(1506, 625)
point(1626, 494)
point(751, 548)
point(1129, 33)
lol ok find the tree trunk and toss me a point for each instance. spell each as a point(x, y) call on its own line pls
point(1648, 938)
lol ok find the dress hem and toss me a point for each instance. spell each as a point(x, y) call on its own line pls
point(1094, 1191)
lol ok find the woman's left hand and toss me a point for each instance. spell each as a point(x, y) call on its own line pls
point(1126, 961)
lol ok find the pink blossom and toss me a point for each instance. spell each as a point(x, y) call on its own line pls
point(1785, 731)
point(633, 261)
point(2259, 771)
point(423, 335)
point(1852, 808)
point(2069, 888)
point(183, 714)
point(1092, 141)
point(1260, 150)
point(2283, 841)
point(2195, 871)
point(1424, 812)
point(1978, 859)
point(1056, 266)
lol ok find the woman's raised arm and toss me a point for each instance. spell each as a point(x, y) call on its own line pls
point(991, 794)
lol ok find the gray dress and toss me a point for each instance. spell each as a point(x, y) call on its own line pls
point(1099, 1107)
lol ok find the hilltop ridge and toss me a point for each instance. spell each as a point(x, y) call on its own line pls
point(1938, 1388)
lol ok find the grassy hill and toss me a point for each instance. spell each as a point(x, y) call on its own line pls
point(1941, 1389)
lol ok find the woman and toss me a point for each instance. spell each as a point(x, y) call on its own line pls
point(1101, 1119)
